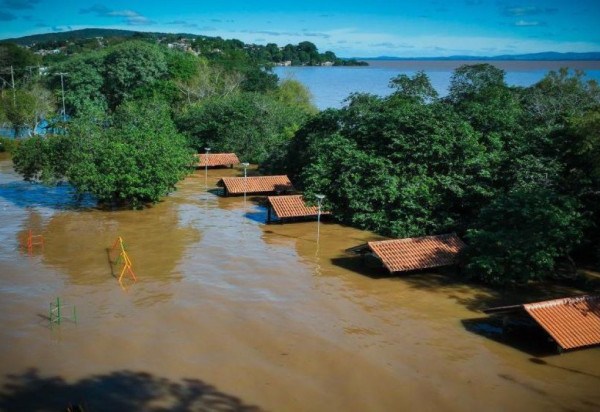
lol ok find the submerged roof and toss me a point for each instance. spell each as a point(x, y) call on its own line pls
point(256, 184)
point(400, 255)
point(572, 322)
point(216, 159)
point(292, 206)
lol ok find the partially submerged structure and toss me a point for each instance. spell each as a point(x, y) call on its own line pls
point(403, 255)
point(217, 160)
point(256, 185)
point(571, 322)
point(291, 207)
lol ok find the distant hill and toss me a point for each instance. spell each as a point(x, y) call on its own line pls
point(83, 34)
point(544, 56)
point(60, 45)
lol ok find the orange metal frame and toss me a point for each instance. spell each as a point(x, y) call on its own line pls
point(34, 240)
point(124, 257)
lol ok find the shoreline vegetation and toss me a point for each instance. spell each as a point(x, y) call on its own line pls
point(53, 47)
point(512, 170)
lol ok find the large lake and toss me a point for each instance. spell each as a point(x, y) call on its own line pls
point(330, 86)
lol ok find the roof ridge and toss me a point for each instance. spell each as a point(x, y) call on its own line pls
point(410, 239)
point(561, 301)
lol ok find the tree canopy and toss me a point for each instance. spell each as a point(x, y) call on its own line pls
point(132, 158)
point(512, 172)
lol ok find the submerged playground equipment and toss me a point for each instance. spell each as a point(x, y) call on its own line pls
point(121, 257)
point(60, 311)
point(34, 240)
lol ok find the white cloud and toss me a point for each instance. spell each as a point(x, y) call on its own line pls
point(525, 23)
point(130, 17)
point(528, 11)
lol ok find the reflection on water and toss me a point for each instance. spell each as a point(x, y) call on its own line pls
point(25, 194)
point(266, 313)
point(76, 242)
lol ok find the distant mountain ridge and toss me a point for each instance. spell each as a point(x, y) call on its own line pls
point(84, 34)
point(543, 56)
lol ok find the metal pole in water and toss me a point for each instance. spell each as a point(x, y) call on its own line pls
point(319, 200)
point(245, 182)
point(58, 309)
point(207, 149)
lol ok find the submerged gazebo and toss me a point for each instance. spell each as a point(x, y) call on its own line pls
point(403, 255)
point(217, 160)
point(572, 322)
point(291, 207)
point(255, 185)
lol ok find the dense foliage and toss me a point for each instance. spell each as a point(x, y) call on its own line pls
point(249, 124)
point(512, 171)
point(134, 157)
point(117, 139)
point(214, 48)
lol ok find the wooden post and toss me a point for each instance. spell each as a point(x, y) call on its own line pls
point(269, 213)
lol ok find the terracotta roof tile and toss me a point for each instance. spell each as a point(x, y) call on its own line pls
point(399, 255)
point(292, 206)
point(572, 322)
point(256, 184)
point(217, 159)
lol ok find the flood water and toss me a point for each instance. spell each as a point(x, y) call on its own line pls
point(231, 314)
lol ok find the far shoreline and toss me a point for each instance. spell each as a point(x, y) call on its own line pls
point(512, 65)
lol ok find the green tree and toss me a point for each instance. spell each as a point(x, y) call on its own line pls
point(559, 96)
point(133, 159)
point(43, 158)
point(138, 160)
point(182, 65)
point(580, 150)
point(480, 94)
point(83, 82)
point(295, 94)
point(18, 108)
point(131, 65)
point(417, 87)
point(393, 165)
point(520, 236)
point(210, 81)
point(249, 124)
point(20, 59)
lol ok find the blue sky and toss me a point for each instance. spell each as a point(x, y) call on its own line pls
point(365, 29)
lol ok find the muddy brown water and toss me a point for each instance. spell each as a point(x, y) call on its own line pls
point(231, 314)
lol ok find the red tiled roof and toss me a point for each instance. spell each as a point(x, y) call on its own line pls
point(400, 255)
point(292, 206)
point(217, 159)
point(256, 184)
point(572, 322)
